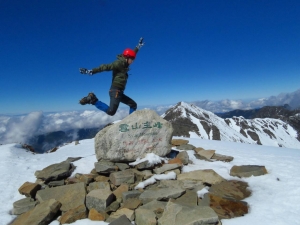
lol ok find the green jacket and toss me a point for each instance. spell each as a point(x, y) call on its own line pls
point(119, 70)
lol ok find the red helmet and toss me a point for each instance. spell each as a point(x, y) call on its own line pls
point(129, 53)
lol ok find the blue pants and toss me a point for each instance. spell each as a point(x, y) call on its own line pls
point(116, 96)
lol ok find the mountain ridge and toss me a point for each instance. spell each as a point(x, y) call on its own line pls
point(191, 121)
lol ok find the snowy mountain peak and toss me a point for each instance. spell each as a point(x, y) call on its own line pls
point(191, 121)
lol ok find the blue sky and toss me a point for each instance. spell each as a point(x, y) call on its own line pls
point(195, 50)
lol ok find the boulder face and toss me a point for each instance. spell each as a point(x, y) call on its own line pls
point(141, 132)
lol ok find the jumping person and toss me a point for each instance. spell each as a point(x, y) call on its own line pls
point(119, 69)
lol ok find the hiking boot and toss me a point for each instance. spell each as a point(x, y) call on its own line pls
point(90, 99)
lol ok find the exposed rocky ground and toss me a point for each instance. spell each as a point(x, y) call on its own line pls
point(111, 192)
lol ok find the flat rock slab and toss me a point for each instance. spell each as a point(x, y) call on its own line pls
point(206, 176)
point(57, 171)
point(70, 196)
point(248, 171)
point(175, 214)
point(161, 194)
point(225, 208)
point(232, 189)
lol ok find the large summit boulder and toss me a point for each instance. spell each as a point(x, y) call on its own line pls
point(141, 132)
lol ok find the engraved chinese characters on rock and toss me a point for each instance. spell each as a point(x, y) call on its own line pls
point(152, 143)
point(141, 132)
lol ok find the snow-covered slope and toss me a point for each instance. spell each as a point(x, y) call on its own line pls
point(191, 121)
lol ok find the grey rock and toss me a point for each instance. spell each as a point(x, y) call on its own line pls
point(56, 183)
point(184, 157)
point(105, 167)
point(166, 167)
point(124, 211)
point(23, 205)
point(208, 154)
point(122, 166)
point(223, 158)
point(43, 213)
point(248, 171)
point(73, 159)
point(190, 198)
point(186, 147)
point(145, 217)
point(206, 176)
point(99, 199)
point(130, 194)
point(161, 193)
point(70, 196)
point(187, 215)
point(57, 171)
point(122, 220)
point(118, 178)
point(142, 132)
point(98, 185)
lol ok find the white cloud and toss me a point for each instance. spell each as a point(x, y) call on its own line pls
point(18, 129)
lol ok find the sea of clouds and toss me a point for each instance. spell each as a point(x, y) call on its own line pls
point(19, 129)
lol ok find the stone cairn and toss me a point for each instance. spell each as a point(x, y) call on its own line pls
point(112, 191)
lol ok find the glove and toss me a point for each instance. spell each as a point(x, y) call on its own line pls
point(141, 43)
point(85, 71)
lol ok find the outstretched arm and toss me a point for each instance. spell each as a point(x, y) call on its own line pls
point(139, 45)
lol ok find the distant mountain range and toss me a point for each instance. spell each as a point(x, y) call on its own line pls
point(292, 99)
point(283, 108)
point(275, 126)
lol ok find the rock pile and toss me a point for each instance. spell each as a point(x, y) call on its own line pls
point(119, 193)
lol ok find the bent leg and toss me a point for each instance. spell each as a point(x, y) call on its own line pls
point(115, 97)
point(130, 102)
point(102, 106)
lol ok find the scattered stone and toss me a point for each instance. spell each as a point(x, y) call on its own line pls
point(96, 216)
point(122, 166)
point(112, 207)
point(101, 178)
point(248, 171)
point(184, 157)
point(131, 203)
point(70, 196)
point(98, 185)
point(56, 183)
point(161, 193)
point(145, 217)
point(187, 215)
point(198, 149)
point(72, 215)
point(208, 154)
point(43, 213)
point(122, 220)
point(115, 215)
point(223, 158)
point(23, 205)
point(105, 167)
point(166, 167)
point(206, 176)
point(56, 171)
point(99, 199)
point(177, 142)
point(73, 159)
point(190, 198)
point(130, 194)
point(225, 208)
point(118, 178)
point(29, 189)
point(119, 191)
point(232, 189)
point(186, 147)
